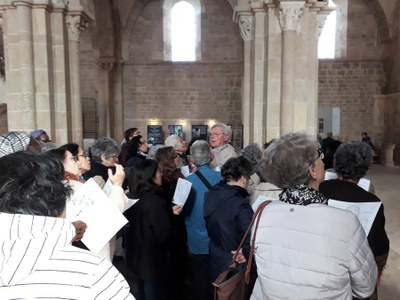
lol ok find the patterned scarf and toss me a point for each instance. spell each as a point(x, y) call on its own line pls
point(302, 195)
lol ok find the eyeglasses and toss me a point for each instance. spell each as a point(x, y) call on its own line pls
point(215, 134)
point(320, 153)
point(82, 155)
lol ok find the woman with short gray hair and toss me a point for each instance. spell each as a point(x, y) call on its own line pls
point(302, 244)
point(104, 155)
point(253, 154)
point(351, 162)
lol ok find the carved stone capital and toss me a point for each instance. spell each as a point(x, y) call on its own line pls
point(75, 24)
point(290, 13)
point(246, 26)
point(107, 63)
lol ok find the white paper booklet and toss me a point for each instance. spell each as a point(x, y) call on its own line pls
point(364, 183)
point(260, 199)
point(182, 191)
point(365, 211)
point(103, 219)
point(185, 171)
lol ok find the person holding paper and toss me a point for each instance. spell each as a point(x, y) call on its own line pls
point(149, 231)
point(37, 259)
point(169, 163)
point(73, 172)
point(198, 241)
point(304, 248)
point(227, 213)
point(351, 163)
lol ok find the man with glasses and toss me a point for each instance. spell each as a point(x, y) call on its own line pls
point(219, 137)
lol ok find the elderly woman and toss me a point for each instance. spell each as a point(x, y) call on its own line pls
point(305, 249)
point(227, 213)
point(253, 154)
point(180, 147)
point(351, 162)
point(104, 155)
point(72, 167)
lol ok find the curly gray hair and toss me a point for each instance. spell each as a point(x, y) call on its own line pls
point(252, 153)
point(287, 160)
point(352, 160)
point(103, 146)
point(201, 153)
point(173, 141)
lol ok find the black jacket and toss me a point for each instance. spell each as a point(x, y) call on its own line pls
point(147, 235)
point(227, 213)
point(98, 169)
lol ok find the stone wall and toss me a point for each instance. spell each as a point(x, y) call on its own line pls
point(202, 92)
point(183, 93)
point(351, 86)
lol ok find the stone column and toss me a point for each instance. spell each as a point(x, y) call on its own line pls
point(22, 116)
point(105, 109)
point(290, 13)
point(388, 154)
point(118, 104)
point(75, 24)
point(60, 74)
point(246, 26)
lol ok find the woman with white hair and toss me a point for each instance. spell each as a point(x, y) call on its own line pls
point(180, 146)
point(305, 249)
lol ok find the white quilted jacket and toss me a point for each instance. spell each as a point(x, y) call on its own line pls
point(312, 252)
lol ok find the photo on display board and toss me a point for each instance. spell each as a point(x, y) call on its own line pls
point(154, 134)
point(175, 129)
point(199, 132)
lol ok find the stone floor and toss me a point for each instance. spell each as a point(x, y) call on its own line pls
point(386, 182)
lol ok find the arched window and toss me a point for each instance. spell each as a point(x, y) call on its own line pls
point(326, 42)
point(182, 30)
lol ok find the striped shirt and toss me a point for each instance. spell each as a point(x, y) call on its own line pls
point(38, 261)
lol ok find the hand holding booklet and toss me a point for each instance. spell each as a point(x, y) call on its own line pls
point(103, 219)
point(182, 191)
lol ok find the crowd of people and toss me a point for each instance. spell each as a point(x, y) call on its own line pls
point(305, 249)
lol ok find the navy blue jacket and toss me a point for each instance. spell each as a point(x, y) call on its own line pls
point(228, 214)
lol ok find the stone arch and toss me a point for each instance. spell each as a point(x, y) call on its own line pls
point(381, 19)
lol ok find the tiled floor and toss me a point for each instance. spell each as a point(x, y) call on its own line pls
point(386, 181)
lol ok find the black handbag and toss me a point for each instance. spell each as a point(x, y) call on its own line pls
point(232, 284)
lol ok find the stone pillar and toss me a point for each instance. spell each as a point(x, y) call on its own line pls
point(246, 26)
point(118, 104)
point(290, 13)
point(105, 109)
point(260, 72)
point(75, 24)
point(22, 112)
point(61, 75)
point(389, 149)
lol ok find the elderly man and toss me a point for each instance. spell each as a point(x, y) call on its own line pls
point(37, 258)
point(220, 135)
point(198, 240)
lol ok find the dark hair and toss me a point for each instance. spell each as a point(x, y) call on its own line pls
point(134, 144)
point(30, 183)
point(72, 147)
point(59, 154)
point(165, 157)
point(352, 160)
point(141, 176)
point(235, 168)
point(129, 132)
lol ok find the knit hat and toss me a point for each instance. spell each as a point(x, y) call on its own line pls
point(13, 142)
point(36, 133)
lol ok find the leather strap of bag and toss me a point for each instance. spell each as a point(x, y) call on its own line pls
point(203, 179)
point(257, 215)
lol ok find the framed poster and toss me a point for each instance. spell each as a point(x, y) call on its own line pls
point(154, 134)
point(175, 129)
point(199, 132)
